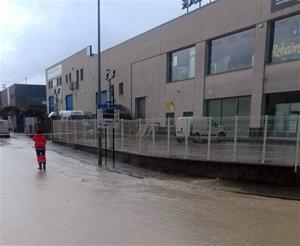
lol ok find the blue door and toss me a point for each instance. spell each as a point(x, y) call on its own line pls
point(69, 102)
point(103, 97)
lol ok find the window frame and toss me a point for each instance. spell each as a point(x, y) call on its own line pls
point(77, 75)
point(209, 52)
point(81, 74)
point(271, 40)
point(237, 98)
point(169, 64)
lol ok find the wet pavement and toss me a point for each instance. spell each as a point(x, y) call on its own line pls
point(76, 202)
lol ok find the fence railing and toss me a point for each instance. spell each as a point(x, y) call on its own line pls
point(275, 142)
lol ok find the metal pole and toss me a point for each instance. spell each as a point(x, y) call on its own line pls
point(168, 141)
point(297, 145)
point(113, 146)
point(52, 129)
point(153, 137)
point(235, 138)
point(95, 130)
point(105, 146)
point(209, 139)
point(99, 85)
point(140, 135)
point(186, 137)
point(108, 139)
point(122, 134)
point(265, 140)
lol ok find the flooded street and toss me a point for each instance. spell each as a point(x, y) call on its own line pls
point(76, 202)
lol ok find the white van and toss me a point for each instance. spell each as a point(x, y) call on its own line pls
point(4, 128)
point(72, 115)
point(197, 129)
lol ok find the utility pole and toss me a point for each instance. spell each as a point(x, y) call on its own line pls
point(99, 86)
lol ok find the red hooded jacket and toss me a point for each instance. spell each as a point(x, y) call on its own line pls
point(39, 141)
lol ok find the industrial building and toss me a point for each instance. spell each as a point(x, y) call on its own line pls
point(224, 59)
point(21, 101)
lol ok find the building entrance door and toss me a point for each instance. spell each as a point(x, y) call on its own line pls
point(140, 108)
point(69, 102)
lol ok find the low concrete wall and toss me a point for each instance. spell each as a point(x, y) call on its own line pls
point(268, 174)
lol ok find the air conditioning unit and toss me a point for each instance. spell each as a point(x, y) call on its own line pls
point(76, 85)
point(71, 86)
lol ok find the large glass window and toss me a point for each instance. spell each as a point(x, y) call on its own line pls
point(228, 107)
point(284, 109)
point(283, 103)
point(232, 52)
point(182, 64)
point(286, 39)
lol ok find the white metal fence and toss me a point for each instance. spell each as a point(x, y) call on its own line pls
point(227, 139)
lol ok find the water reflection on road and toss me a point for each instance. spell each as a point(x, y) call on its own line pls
point(75, 202)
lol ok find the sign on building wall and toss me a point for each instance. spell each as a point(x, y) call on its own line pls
point(281, 4)
point(186, 4)
point(54, 72)
point(170, 106)
point(286, 42)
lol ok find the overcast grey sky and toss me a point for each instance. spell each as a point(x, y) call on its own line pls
point(36, 34)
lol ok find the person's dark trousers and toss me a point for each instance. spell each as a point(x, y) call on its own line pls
point(41, 152)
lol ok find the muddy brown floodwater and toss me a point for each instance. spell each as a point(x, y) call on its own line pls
point(75, 202)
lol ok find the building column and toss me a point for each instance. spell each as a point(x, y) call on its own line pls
point(199, 79)
point(258, 78)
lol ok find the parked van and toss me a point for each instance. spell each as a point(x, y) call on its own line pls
point(72, 115)
point(4, 128)
point(68, 115)
point(197, 129)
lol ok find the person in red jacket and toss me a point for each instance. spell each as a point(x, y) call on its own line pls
point(40, 147)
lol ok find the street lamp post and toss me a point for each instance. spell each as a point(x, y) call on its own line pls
point(109, 77)
point(99, 86)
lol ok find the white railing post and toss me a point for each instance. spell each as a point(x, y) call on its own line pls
point(84, 133)
point(209, 139)
point(297, 145)
point(66, 132)
point(186, 137)
point(122, 134)
point(60, 130)
point(153, 137)
point(95, 130)
point(168, 140)
point(75, 130)
point(140, 135)
point(263, 159)
point(235, 138)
